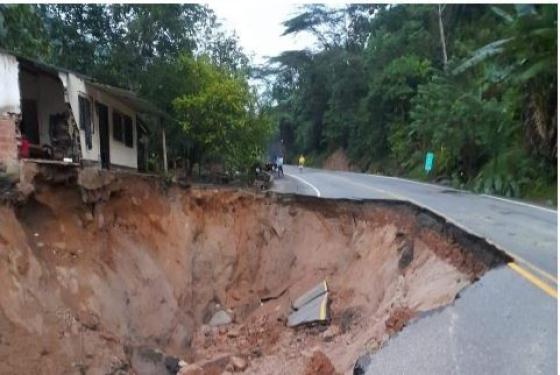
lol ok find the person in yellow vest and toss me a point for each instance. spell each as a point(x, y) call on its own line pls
point(301, 162)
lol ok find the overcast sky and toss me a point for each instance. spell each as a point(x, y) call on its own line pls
point(259, 26)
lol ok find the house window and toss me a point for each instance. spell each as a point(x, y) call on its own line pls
point(122, 129)
point(118, 127)
point(128, 132)
point(85, 119)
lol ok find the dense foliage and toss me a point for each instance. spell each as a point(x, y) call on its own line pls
point(151, 49)
point(474, 84)
point(219, 115)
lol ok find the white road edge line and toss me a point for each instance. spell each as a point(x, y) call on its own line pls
point(433, 186)
point(519, 203)
point(317, 192)
point(439, 187)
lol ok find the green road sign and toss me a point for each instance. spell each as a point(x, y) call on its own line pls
point(429, 161)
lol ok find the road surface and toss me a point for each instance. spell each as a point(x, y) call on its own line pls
point(504, 324)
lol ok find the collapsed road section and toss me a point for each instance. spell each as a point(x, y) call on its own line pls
point(128, 275)
point(311, 307)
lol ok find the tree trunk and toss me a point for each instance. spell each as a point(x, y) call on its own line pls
point(540, 119)
point(164, 146)
point(442, 35)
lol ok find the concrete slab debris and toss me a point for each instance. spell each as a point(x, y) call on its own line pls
point(311, 294)
point(220, 318)
point(313, 312)
point(311, 306)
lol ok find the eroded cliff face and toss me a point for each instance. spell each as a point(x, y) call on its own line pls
point(114, 285)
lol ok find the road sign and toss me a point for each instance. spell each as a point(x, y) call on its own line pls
point(429, 161)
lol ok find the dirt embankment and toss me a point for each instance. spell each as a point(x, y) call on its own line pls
point(338, 161)
point(114, 287)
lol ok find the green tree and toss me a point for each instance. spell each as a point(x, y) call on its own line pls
point(529, 55)
point(219, 116)
point(22, 30)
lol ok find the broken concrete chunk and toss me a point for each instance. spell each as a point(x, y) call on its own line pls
point(315, 311)
point(311, 307)
point(220, 318)
point(239, 364)
point(171, 364)
point(311, 294)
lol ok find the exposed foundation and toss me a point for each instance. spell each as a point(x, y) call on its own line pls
point(115, 285)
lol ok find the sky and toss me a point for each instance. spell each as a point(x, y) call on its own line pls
point(259, 26)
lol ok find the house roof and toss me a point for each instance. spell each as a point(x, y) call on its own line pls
point(128, 97)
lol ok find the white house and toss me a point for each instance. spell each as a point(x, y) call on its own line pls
point(61, 115)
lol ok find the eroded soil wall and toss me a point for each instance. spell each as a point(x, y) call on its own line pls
point(103, 288)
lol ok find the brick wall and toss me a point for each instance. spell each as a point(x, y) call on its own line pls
point(8, 142)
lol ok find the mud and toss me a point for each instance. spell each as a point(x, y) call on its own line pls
point(127, 284)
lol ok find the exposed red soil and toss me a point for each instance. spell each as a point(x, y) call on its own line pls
point(87, 287)
point(337, 161)
point(319, 364)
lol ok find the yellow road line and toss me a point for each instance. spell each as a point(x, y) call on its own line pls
point(535, 268)
point(534, 280)
point(323, 309)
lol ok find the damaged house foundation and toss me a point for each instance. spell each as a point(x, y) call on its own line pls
point(53, 115)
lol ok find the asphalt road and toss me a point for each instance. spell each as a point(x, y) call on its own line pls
point(504, 324)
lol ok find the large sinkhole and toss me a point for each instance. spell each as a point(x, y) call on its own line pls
point(129, 283)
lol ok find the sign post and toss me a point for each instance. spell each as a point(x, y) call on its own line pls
point(429, 162)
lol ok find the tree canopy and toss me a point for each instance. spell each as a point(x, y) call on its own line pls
point(219, 115)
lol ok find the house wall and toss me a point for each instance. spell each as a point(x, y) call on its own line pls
point(48, 92)
point(9, 110)
point(8, 142)
point(9, 85)
point(75, 87)
point(120, 155)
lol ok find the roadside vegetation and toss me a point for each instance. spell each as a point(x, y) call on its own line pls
point(474, 84)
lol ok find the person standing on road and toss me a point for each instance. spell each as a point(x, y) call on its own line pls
point(301, 162)
point(280, 165)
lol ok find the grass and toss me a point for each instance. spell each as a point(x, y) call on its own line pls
point(546, 194)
